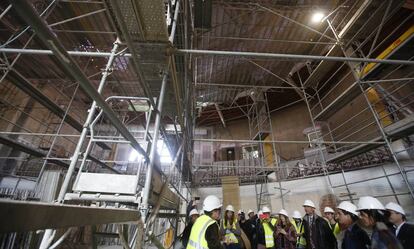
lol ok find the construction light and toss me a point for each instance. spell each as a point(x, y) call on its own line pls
point(317, 17)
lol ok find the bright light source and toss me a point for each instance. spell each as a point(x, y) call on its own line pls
point(317, 17)
point(134, 156)
point(163, 152)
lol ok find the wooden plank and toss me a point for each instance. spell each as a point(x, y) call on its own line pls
point(231, 191)
point(22, 216)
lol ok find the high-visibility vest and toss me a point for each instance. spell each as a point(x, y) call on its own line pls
point(299, 229)
point(270, 242)
point(197, 238)
point(229, 236)
point(336, 229)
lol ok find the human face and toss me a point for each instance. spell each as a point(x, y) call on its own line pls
point(344, 219)
point(216, 214)
point(395, 218)
point(251, 215)
point(329, 216)
point(366, 219)
point(194, 217)
point(282, 218)
point(309, 210)
point(229, 214)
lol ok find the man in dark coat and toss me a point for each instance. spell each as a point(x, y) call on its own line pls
point(318, 234)
point(403, 230)
point(187, 230)
point(354, 236)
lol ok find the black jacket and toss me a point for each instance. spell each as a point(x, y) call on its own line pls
point(322, 234)
point(213, 237)
point(186, 234)
point(248, 228)
point(356, 238)
point(406, 236)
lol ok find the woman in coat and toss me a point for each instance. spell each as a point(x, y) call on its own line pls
point(285, 234)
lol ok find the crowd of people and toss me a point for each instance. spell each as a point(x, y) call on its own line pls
point(341, 227)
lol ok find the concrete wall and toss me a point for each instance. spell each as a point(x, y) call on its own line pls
point(314, 188)
point(287, 124)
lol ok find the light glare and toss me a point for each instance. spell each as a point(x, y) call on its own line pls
point(317, 17)
point(162, 150)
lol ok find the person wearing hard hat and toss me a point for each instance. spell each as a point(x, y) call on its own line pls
point(240, 215)
point(252, 228)
point(330, 217)
point(205, 231)
point(230, 229)
point(250, 214)
point(187, 230)
point(245, 225)
point(318, 234)
point(297, 222)
point(403, 230)
point(371, 212)
point(265, 229)
point(354, 236)
point(285, 234)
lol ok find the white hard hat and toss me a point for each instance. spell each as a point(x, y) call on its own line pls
point(395, 207)
point(211, 202)
point(266, 210)
point(250, 211)
point(328, 210)
point(309, 203)
point(369, 202)
point(240, 211)
point(193, 211)
point(296, 215)
point(230, 208)
point(348, 206)
point(284, 212)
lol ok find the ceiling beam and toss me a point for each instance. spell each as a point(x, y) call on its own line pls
point(23, 84)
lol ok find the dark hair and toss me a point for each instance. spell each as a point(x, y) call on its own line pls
point(377, 215)
point(353, 216)
point(226, 219)
point(209, 213)
point(287, 221)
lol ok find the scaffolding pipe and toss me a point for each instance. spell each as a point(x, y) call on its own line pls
point(221, 53)
point(322, 156)
point(29, 15)
point(371, 179)
point(291, 56)
point(282, 141)
point(148, 177)
point(378, 122)
point(91, 114)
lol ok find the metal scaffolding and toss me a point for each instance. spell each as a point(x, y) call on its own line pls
point(155, 62)
point(167, 180)
point(364, 139)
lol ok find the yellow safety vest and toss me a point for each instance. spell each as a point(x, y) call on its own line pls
point(230, 237)
point(336, 229)
point(301, 229)
point(270, 242)
point(197, 238)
